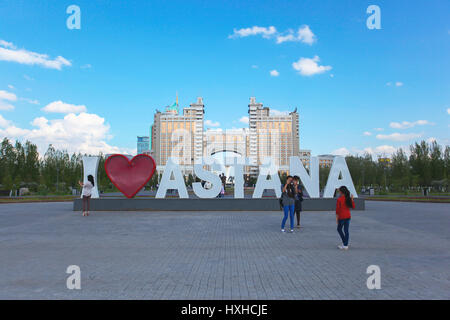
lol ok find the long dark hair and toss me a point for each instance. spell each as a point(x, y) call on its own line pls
point(91, 179)
point(346, 193)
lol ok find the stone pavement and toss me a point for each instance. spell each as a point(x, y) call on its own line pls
point(223, 255)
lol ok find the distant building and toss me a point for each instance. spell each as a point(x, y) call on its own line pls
point(178, 135)
point(143, 144)
point(274, 135)
point(305, 156)
point(326, 160)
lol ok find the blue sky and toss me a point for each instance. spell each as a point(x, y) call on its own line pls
point(131, 57)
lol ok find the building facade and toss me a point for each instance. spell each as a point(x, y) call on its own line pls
point(182, 135)
point(143, 144)
point(326, 160)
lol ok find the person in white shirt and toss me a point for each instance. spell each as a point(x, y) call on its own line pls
point(86, 193)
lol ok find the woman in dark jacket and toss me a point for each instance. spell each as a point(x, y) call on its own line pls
point(288, 202)
point(298, 199)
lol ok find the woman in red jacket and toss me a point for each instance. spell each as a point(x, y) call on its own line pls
point(343, 205)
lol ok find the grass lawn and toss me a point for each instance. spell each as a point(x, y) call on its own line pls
point(37, 199)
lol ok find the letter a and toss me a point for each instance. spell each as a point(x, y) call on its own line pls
point(74, 280)
point(374, 21)
point(339, 167)
point(168, 183)
point(74, 20)
point(374, 280)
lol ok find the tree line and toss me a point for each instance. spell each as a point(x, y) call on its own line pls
point(58, 172)
point(427, 166)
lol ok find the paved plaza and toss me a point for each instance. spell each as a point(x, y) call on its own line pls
point(223, 255)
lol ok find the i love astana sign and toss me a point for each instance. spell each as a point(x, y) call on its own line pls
point(131, 175)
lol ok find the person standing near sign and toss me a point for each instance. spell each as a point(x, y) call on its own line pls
point(86, 193)
point(288, 202)
point(298, 199)
point(344, 204)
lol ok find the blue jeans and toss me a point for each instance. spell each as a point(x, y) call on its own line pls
point(344, 223)
point(288, 210)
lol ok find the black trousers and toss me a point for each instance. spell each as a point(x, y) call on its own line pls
point(298, 209)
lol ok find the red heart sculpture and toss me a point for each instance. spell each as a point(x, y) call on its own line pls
point(129, 176)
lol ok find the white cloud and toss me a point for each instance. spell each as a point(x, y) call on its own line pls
point(309, 67)
point(254, 66)
point(407, 124)
point(5, 95)
point(6, 44)
point(8, 52)
point(210, 123)
point(448, 110)
point(431, 140)
point(27, 77)
point(397, 83)
point(274, 73)
point(341, 152)
point(5, 99)
point(253, 31)
point(61, 107)
point(31, 101)
point(304, 34)
point(86, 66)
point(378, 129)
point(85, 133)
point(367, 133)
point(5, 106)
point(10, 86)
point(380, 150)
point(3, 122)
point(244, 120)
point(399, 136)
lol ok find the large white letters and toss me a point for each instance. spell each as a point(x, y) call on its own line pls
point(339, 176)
point(238, 165)
point(339, 167)
point(200, 172)
point(267, 169)
point(168, 183)
point(311, 181)
point(90, 167)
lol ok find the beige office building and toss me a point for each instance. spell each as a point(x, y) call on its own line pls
point(182, 135)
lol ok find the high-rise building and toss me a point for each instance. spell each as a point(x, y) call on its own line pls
point(274, 135)
point(143, 144)
point(178, 135)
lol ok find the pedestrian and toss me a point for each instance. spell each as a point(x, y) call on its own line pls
point(344, 204)
point(86, 193)
point(298, 199)
point(288, 202)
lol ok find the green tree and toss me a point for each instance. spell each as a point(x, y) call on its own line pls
point(420, 163)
